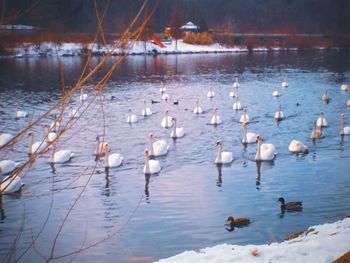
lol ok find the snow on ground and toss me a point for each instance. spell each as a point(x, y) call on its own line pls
point(326, 243)
point(17, 27)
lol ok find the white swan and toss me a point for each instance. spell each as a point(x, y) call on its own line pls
point(50, 135)
point(146, 111)
point(8, 166)
point(248, 137)
point(176, 132)
point(237, 105)
point(157, 148)
point(197, 109)
point(165, 96)
point(83, 96)
point(344, 130)
point(275, 93)
point(297, 147)
point(222, 157)
point(55, 125)
point(315, 134)
point(61, 156)
point(166, 120)
point(344, 87)
point(112, 160)
point(21, 114)
point(279, 115)
point(36, 147)
point(162, 89)
point(265, 151)
point(321, 121)
point(101, 147)
point(5, 138)
point(244, 117)
point(325, 97)
point(151, 166)
point(284, 83)
point(236, 84)
point(11, 185)
point(131, 117)
point(210, 93)
point(215, 120)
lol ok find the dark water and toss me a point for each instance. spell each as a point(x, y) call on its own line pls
point(186, 205)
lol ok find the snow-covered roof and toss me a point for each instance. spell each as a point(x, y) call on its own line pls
point(190, 26)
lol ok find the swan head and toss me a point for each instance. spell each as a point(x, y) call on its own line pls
point(258, 138)
point(150, 136)
point(173, 120)
point(218, 143)
point(215, 109)
point(342, 115)
point(146, 152)
point(321, 113)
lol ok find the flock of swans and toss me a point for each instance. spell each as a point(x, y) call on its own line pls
point(156, 148)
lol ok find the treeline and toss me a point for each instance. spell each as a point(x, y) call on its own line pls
point(330, 17)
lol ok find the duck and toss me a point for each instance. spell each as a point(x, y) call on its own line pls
point(21, 114)
point(344, 130)
point(176, 132)
point(5, 138)
point(265, 151)
point(237, 104)
point(157, 148)
point(112, 160)
point(244, 117)
point(298, 147)
point(344, 87)
point(132, 118)
point(222, 157)
point(146, 111)
point(166, 121)
point(316, 133)
point(237, 222)
point(325, 97)
point(162, 88)
point(284, 83)
point(290, 205)
point(151, 166)
point(321, 121)
point(236, 83)
point(176, 102)
point(197, 109)
point(61, 156)
point(275, 93)
point(155, 101)
point(215, 120)
point(210, 93)
point(248, 137)
point(10, 185)
point(279, 115)
point(8, 166)
point(36, 147)
point(101, 147)
point(165, 96)
point(50, 135)
point(83, 96)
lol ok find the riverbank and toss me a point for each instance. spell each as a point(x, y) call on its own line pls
point(321, 243)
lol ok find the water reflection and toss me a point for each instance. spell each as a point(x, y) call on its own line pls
point(107, 189)
point(147, 180)
point(219, 179)
point(258, 174)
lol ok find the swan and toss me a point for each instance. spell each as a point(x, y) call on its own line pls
point(131, 117)
point(165, 96)
point(315, 134)
point(8, 166)
point(237, 104)
point(36, 147)
point(344, 87)
point(275, 93)
point(166, 121)
point(325, 97)
point(176, 132)
point(112, 160)
point(50, 135)
point(101, 147)
point(236, 84)
point(222, 157)
point(21, 114)
point(321, 121)
point(11, 184)
point(83, 96)
point(157, 148)
point(216, 118)
point(279, 114)
point(197, 109)
point(151, 166)
point(5, 138)
point(244, 117)
point(55, 125)
point(297, 147)
point(344, 130)
point(284, 83)
point(146, 111)
point(348, 103)
point(162, 89)
point(210, 93)
point(265, 151)
point(61, 156)
point(248, 137)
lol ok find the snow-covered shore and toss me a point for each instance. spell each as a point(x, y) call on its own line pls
point(134, 48)
point(323, 244)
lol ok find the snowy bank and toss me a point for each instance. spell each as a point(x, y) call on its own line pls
point(323, 244)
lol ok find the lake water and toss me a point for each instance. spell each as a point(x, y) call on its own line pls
point(142, 219)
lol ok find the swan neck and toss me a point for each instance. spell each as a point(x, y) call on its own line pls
point(258, 151)
point(245, 139)
point(342, 124)
point(147, 170)
point(106, 158)
point(219, 153)
point(151, 146)
point(174, 129)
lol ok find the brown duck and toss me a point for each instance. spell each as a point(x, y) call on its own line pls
point(298, 205)
point(237, 222)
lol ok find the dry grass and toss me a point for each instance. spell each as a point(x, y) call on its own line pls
point(204, 38)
